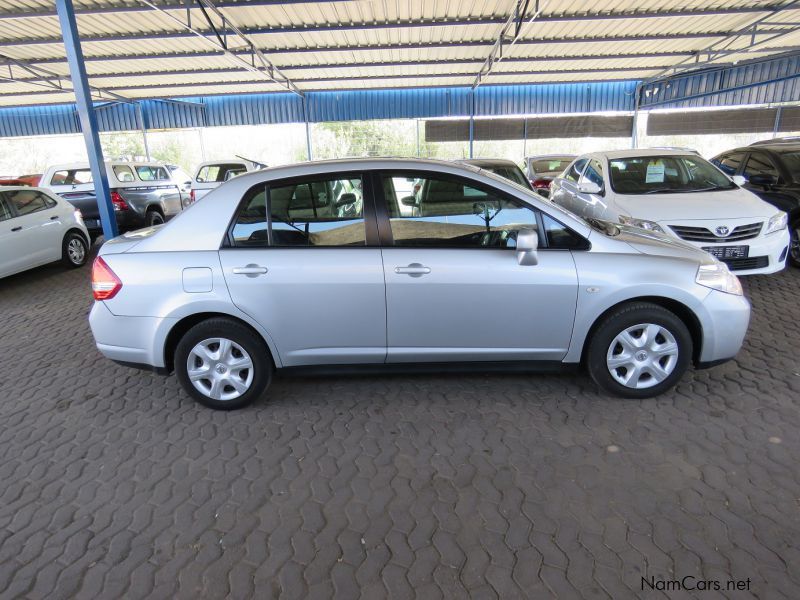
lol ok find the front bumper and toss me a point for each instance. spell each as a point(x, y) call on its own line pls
point(724, 319)
point(135, 339)
point(766, 253)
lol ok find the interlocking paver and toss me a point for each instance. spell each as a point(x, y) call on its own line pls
point(114, 483)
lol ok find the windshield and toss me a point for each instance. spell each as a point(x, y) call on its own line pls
point(513, 174)
point(670, 174)
point(550, 167)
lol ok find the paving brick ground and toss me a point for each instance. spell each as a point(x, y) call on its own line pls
point(113, 483)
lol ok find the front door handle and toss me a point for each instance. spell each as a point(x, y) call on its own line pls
point(250, 270)
point(414, 270)
point(16, 229)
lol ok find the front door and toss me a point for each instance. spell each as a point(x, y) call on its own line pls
point(454, 290)
point(302, 260)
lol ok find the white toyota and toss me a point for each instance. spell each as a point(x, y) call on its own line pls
point(680, 194)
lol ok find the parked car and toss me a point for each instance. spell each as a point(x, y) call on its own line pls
point(543, 169)
point(214, 173)
point(143, 193)
point(501, 167)
point(29, 180)
point(269, 276)
point(36, 228)
point(771, 170)
point(682, 195)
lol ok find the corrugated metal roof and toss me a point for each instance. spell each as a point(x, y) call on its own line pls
point(144, 53)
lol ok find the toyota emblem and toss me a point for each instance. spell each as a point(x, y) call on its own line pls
point(722, 231)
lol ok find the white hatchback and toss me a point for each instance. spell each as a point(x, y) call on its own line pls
point(36, 228)
point(679, 193)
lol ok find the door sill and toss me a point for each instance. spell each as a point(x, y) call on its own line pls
point(517, 366)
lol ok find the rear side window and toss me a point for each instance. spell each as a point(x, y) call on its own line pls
point(123, 173)
point(149, 173)
point(26, 202)
point(760, 164)
point(219, 173)
point(317, 213)
point(574, 172)
point(71, 177)
point(729, 163)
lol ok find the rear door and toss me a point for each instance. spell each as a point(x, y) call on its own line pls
point(302, 259)
point(454, 289)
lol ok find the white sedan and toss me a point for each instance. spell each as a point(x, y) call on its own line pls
point(682, 195)
point(36, 228)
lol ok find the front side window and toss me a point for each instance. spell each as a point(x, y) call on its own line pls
point(574, 172)
point(26, 202)
point(667, 174)
point(71, 177)
point(317, 213)
point(5, 209)
point(760, 164)
point(452, 213)
point(219, 173)
point(729, 163)
point(149, 173)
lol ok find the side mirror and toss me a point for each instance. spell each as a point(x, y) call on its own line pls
point(738, 180)
point(527, 247)
point(345, 199)
point(408, 201)
point(764, 180)
point(589, 187)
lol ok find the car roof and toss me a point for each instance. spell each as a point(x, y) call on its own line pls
point(551, 156)
point(487, 162)
point(776, 147)
point(632, 153)
point(25, 188)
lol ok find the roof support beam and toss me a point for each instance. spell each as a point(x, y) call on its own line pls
point(222, 27)
point(756, 33)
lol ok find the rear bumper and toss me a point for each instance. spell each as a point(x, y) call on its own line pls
point(135, 339)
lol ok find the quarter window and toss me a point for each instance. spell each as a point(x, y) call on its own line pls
point(451, 213)
point(123, 173)
point(729, 163)
point(71, 177)
point(574, 172)
point(318, 213)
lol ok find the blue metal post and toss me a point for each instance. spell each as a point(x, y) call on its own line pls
point(83, 100)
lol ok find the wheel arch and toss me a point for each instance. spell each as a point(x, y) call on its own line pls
point(683, 312)
point(77, 230)
point(179, 329)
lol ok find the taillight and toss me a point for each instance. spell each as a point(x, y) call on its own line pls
point(118, 202)
point(105, 283)
point(541, 183)
point(191, 195)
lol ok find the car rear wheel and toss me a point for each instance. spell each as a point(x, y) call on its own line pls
point(154, 218)
point(794, 243)
point(639, 351)
point(222, 364)
point(74, 250)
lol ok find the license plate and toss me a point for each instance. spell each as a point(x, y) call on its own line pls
point(723, 252)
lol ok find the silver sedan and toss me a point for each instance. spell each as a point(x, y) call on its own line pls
point(323, 265)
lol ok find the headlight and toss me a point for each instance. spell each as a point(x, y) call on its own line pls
point(641, 223)
point(717, 277)
point(777, 222)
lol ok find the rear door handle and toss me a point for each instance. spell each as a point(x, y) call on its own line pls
point(16, 229)
point(54, 218)
point(414, 270)
point(250, 270)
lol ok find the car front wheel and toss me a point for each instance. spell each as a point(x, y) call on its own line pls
point(639, 351)
point(75, 250)
point(223, 364)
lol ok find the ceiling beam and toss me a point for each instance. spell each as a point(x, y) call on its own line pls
point(122, 8)
point(223, 29)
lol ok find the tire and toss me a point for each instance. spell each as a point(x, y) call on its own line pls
point(153, 217)
point(794, 243)
point(199, 350)
point(655, 366)
point(74, 250)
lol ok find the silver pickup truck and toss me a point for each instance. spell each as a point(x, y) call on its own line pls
point(143, 193)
